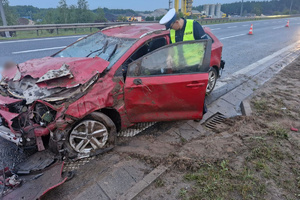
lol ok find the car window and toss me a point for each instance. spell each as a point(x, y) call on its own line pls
point(98, 44)
point(146, 48)
point(179, 58)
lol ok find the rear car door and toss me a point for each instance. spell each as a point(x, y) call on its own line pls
point(168, 83)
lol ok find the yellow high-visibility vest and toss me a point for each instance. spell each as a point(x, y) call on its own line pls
point(188, 32)
point(188, 36)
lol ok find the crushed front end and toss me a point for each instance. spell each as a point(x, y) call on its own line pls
point(35, 96)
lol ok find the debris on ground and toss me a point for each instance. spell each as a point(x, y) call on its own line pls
point(32, 178)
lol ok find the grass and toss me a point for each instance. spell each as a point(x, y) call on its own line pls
point(159, 183)
point(218, 181)
point(278, 132)
point(46, 33)
point(260, 105)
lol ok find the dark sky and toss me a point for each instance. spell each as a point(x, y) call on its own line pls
point(140, 5)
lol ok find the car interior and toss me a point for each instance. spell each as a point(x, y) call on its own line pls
point(148, 47)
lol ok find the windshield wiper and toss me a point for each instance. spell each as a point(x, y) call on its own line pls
point(104, 49)
point(113, 52)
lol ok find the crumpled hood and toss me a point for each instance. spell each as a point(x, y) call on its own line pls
point(51, 79)
point(81, 69)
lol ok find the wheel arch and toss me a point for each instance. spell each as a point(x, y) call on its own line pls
point(217, 69)
point(114, 115)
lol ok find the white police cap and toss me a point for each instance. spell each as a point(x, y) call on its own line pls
point(169, 18)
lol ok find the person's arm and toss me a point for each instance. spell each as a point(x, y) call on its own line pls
point(199, 32)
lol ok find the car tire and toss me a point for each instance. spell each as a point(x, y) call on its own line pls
point(212, 80)
point(93, 135)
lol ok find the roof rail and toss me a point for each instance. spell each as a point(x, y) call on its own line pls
point(150, 32)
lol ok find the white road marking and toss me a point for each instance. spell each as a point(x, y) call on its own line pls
point(278, 27)
point(232, 27)
point(224, 38)
point(215, 29)
point(39, 39)
point(255, 65)
point(35, 50)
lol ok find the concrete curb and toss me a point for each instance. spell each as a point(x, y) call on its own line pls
point(246, 107)
point(144, 183)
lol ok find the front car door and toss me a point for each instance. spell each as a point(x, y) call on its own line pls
point(169, 83)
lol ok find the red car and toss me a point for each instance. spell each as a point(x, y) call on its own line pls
point(78, 99)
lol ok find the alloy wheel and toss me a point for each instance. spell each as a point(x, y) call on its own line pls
point(88, 135)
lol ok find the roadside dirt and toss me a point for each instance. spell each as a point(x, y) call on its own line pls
point(255, 157)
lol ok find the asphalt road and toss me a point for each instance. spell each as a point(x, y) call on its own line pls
point(240, 49)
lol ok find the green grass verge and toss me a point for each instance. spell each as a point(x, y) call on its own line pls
point(46, 33)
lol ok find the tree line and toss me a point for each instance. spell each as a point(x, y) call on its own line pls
point(80, 13)
point(273, 7)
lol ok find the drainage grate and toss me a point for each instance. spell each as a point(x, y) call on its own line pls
point(136, 129)
point(214, 120)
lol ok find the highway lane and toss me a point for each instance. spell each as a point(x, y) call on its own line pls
point(240, 49)
point(34, 48)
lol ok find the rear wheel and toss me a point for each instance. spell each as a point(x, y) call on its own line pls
point(212, 80)
point(94, 134)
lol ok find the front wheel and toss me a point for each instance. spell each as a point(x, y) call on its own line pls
point(94, 134)
point(212, 80)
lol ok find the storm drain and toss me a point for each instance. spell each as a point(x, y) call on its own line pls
point(214, 120)
point(136, 129)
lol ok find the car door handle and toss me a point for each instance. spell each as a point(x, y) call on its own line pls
point(137, 81)
point(195, 85)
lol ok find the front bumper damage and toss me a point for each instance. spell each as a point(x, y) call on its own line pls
point(8, 135)
point(33, 105)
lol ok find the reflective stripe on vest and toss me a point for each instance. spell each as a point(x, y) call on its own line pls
point(188, 32)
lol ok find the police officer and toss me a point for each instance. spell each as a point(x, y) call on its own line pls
point(182, 29)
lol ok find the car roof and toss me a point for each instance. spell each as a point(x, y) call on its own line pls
point(134, 31)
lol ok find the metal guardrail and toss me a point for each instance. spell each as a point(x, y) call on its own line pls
point(63, 26)
point(103, 25)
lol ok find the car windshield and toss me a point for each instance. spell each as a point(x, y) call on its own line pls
point(98, 44)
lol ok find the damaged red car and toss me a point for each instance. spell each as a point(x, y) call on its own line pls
point(76, 101)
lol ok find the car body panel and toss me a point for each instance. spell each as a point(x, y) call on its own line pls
point(216, 49)
point(134, 30)
point(93, 87)
point(165, 98)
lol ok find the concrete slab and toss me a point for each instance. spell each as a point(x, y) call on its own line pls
point(234, 97)
point(143, 184)
point(92, 193)
point(223, 107)
point(188, 132)
point(246, 108)
point(116, 183)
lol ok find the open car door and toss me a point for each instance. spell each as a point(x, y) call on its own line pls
point(168, 83)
